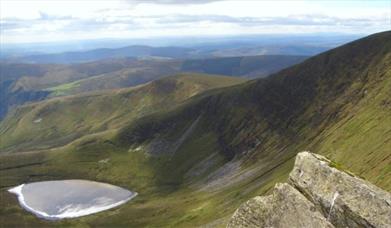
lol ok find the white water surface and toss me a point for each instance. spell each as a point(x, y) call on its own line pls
point(55, 200)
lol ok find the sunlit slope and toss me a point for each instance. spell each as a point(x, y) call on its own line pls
point(60, 120)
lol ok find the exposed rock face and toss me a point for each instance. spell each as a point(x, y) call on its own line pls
point(347, 201)
point(317, 195)
point(286, 207)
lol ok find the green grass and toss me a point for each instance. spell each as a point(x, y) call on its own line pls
point(63, 89)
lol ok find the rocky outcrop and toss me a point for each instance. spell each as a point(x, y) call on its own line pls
point(317, 195)
point(285, 207)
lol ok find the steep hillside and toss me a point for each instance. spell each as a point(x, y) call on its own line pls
point(195, 163)
point(60, 120)
point(332, 103)
point(9, 74)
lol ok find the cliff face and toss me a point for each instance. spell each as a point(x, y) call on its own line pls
point(317, 195)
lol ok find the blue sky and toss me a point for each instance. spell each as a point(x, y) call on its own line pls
point(58, 20)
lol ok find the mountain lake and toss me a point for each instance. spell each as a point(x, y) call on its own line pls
point(53, 200)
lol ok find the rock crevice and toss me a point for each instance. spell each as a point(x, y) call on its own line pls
point(317, 195)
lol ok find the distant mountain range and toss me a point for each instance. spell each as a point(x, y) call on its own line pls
point(147, 52)
point(106, 53)
point(213, 46)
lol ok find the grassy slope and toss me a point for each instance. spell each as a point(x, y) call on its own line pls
point(194, 164)
point(60, 120)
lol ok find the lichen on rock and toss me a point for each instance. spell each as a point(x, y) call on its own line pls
point(317, 195)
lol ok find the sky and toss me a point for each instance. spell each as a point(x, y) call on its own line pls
point(24, 21)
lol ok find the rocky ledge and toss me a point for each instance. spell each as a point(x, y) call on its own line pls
point(317, 195)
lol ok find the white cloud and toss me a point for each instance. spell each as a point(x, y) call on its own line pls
point(36, 20)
